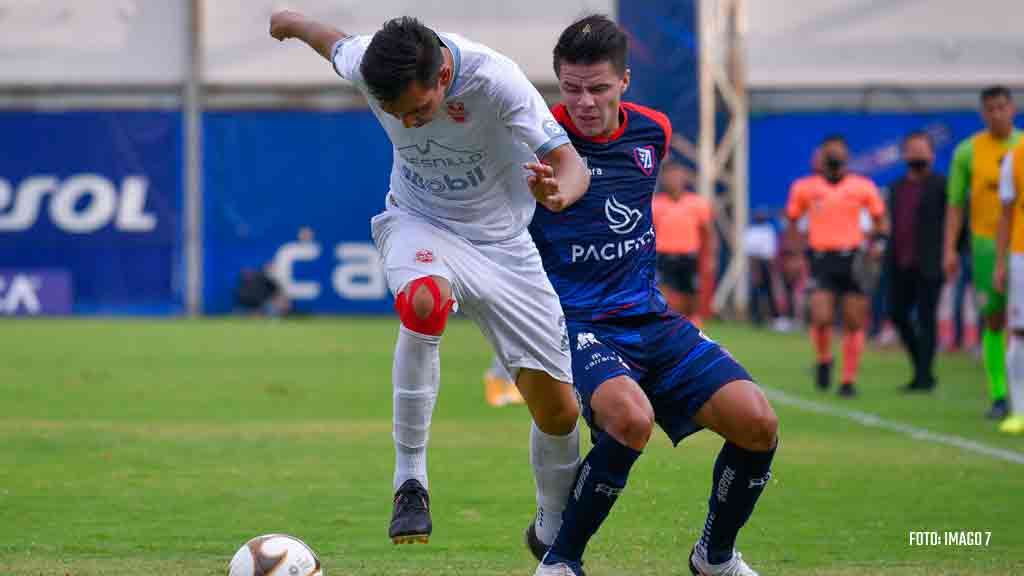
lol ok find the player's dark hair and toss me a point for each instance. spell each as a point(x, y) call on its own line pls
point(919, 134)
point(401, 52)
point(592, 39)
point(995, 92)
point(835, 138)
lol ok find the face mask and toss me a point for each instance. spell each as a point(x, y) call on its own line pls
point(917, 164)
point(833, 168)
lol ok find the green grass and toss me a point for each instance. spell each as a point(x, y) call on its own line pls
point(149, 447)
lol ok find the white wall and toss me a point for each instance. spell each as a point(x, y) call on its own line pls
point(239, 50)
point(83, 42)
point(92, 41)
point(845, 43)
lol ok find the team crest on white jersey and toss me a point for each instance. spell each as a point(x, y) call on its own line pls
point(621, 218)
point(644, 156)
point(457, 112)
point(585, 340)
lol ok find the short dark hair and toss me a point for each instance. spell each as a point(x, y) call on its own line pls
point(401, 52)
point(996, 91)
point(919, 134)
point(592, 39)
point(835, 138)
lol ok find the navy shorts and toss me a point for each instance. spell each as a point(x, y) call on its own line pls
point(676, 365)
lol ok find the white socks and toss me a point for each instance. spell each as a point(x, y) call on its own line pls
point(415, 378)
point(1015, 374)
point(554, 460)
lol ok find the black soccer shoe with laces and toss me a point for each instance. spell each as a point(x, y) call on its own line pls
point(410, 520)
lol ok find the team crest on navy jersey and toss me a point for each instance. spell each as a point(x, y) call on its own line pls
point(644, 156)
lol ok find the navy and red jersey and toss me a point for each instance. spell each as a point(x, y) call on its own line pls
point(599, 253)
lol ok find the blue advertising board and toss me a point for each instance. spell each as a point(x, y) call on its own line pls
point(91, 199)
point(294, 191)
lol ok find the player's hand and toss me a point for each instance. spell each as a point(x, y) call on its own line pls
point(544, 187)
point(951, 265)
point(283, 23)
point(999, 277)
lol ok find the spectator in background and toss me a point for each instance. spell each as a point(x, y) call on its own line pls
point(833, 204)
point(917, 205)
point(684, 236)
point(974, 175)
point(761, 243)
point(259, 294)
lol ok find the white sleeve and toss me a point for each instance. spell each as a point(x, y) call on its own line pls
point(346, 55)
point(522, 109)
point(1007, 188)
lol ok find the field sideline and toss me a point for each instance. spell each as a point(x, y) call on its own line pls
point(159, 447)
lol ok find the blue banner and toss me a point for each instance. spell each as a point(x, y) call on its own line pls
point(293, 192)
point(95, 196)
point(663, 59)
point(781, 145)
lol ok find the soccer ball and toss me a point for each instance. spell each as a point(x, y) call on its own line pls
point(275, 555)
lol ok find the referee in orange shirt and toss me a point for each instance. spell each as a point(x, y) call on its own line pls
point(684, 238)
point(833, 202)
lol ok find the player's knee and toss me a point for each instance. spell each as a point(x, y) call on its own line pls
point(764, 430)
point(423, 306)
point(561, 418)
point(632, 426)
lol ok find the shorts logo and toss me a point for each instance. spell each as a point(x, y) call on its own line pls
point(644, 156)
point(424, 256)
point(585, 340)
point(621, 218)
point(457, 112)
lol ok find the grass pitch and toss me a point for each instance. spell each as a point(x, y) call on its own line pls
point(159, 447)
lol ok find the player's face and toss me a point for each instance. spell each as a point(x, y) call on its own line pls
point(419, 104)
point(918, 150)
point(998, 113)
point(592, 94)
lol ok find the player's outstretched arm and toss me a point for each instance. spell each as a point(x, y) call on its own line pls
point(561, 180)
point(321, 37)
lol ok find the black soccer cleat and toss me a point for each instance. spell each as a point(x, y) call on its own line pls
point(823, 376)
point(847, 390)
point(410, 520)
point(998, 411)
point(533, 542)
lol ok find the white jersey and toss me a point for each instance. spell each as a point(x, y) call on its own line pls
point(463, 171)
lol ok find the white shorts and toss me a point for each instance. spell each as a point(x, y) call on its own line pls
point(1015, 285)
point(501, 286)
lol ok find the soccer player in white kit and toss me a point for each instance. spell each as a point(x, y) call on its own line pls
point(475, 147)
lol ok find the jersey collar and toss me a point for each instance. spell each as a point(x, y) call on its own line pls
point(450, 44)
point(562, 114)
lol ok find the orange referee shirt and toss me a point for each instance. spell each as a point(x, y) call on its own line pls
point(834, 210)
point(677, 223)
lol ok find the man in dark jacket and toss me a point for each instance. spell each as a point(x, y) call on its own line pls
point(917, 203)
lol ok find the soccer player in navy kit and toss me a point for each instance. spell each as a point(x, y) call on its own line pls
point(634, 361)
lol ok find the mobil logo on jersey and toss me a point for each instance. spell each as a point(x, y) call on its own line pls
point(450, 168)
point(623, 220)
point(78, 204)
